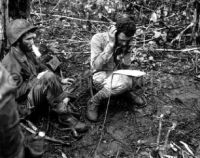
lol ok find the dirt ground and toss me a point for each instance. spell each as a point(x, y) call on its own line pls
point(170, 119)
point(172, 92)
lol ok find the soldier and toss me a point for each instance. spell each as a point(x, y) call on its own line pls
point(110, 52)
point(36, 85)
point(12, 144)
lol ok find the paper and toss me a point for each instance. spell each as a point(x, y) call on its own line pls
point(134, 73)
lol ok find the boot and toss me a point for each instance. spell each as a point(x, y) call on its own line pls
point(66, 108)
point(93, 104)
point(92, 111)
point(71, 122)
point(140, 102)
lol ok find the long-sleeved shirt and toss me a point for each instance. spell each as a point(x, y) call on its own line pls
point(24, 70)
point(102, 58)
point(101, 55)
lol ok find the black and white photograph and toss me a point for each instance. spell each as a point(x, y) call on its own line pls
point(99, 78)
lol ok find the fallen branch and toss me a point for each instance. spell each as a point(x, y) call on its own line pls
point(51, 139)
point(67, 40)
point(159, 130)
point(182, 150)
point(178, 50)
point(181, 33)
point(174, 124)
point(56, 5)
point(142, 6)
point(72, 18)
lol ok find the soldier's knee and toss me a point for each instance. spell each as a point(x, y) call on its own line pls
point(49, 75)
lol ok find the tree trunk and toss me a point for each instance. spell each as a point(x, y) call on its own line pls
point(1, 27)
point(11, 9)
point(19, 9)
point(4, 19)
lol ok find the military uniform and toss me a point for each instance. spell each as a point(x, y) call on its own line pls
point(32, 91)
point(13, 144)
point(103, 65)
point(11, 137)
point(105, 60)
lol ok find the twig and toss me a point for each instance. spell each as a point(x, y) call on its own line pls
point(40, 11)
point(87, 43)
point(32, 126)
point(54, 140)
point(196, 62)
point(72, 18)
point(90, 85)
point(109, 20)
point(182, 150)
point(144, 41)
point(56, 5)
point(28, 129)
point(48, 119)
point(117, 153)
point(145, 35)
point(168, 132)
point(187, 147)
point(181, 33)
point(142, 6)
point(159, 130)
point(104, 121)
point(179, 50)
point(103, 126)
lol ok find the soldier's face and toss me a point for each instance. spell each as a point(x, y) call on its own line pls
point(27, 41)
point(123, 40)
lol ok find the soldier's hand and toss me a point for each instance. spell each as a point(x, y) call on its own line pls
point(112, 33)
point(67, 81)
point(120, 57)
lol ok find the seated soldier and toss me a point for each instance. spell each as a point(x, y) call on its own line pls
point(12, 144)
point(36, 85)
point(110, 52)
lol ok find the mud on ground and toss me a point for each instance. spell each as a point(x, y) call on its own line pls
point(172, 91)
point(171, 88)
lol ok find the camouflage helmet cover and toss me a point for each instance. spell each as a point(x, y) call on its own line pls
point(17, 28)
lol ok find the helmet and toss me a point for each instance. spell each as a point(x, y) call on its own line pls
point(17, 28)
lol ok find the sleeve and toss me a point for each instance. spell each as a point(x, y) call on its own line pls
point(7, 84)
point(12, 142)
point(99, 56)
point(23, 86)
point(11, 137)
